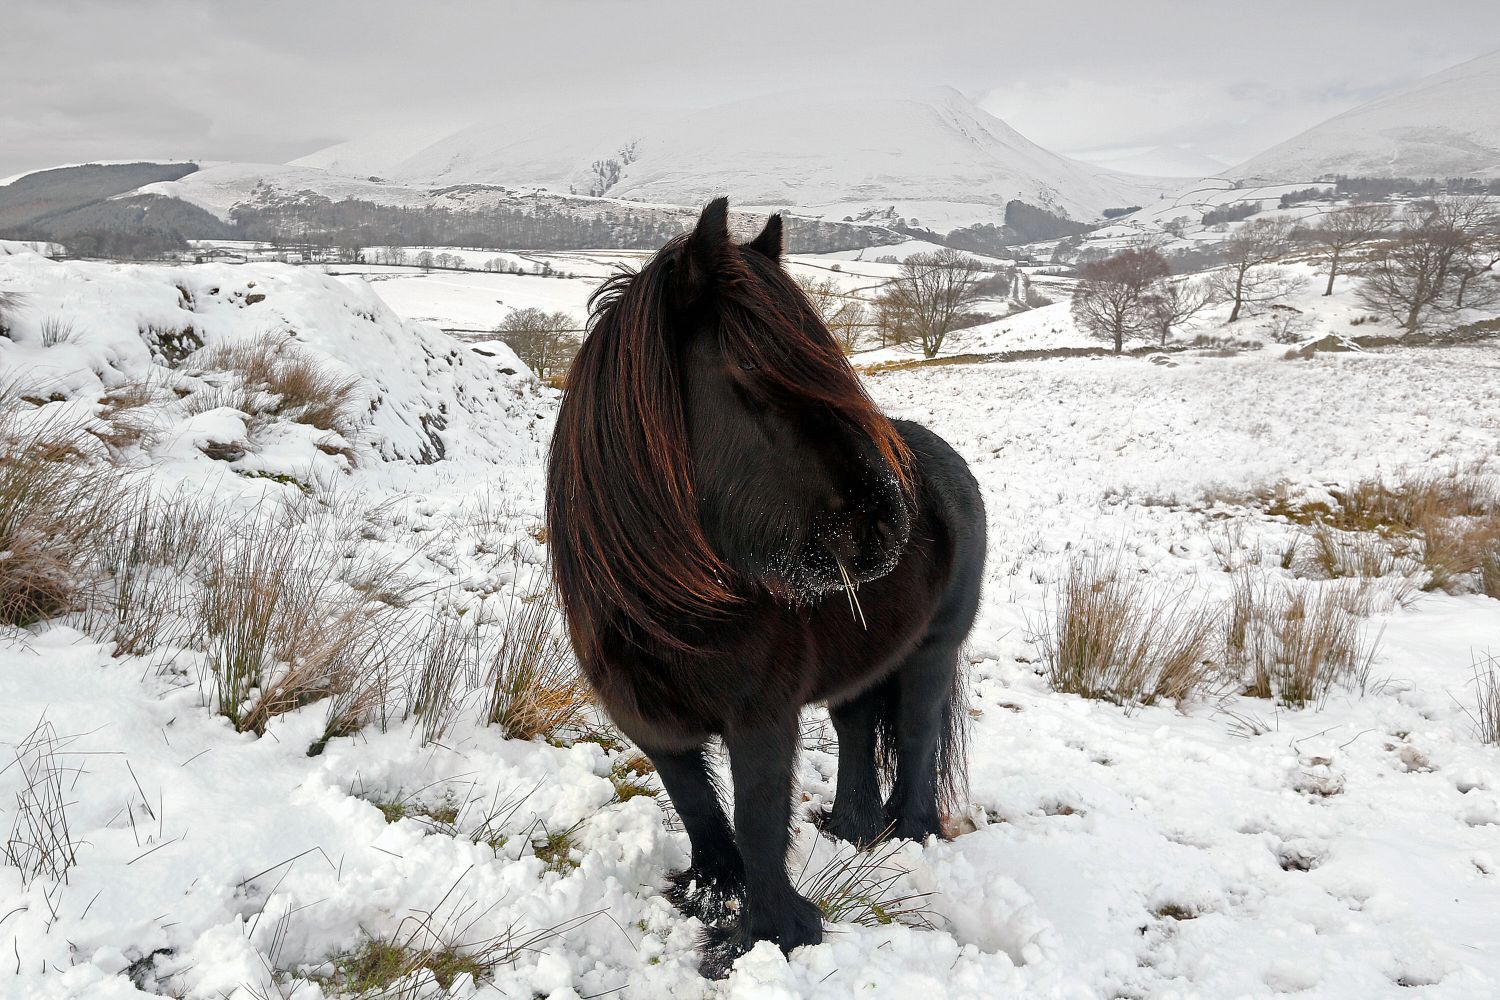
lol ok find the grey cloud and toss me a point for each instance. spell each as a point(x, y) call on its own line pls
point(275, 79)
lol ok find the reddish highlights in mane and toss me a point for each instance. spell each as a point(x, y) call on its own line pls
point(627, 547)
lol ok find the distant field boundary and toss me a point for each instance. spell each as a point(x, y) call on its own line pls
point(1462, 336)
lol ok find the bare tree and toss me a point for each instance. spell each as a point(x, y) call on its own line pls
point(1476, 261)
point(1168, 304)
point(843, 314)
point(1247, 280)
point(1346, 228)
point(932, 293)
point(892, 320)
point(1110, 299)
point(545, 342)
point(848, 325)
point(1430, 263)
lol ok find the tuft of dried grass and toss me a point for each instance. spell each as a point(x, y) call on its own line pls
point(54, 504)
point(310, 394)
point(1335, 554)
point(1111, 637)
point(282, 627)
point(1375, 504)
point(863, 887)
point(294, 385)
point(1489, 569)
point(1295, 643)
point(1458, 549)
point(56, 330)
point(40, 843)
point(535, 689)
point(124, 414)
point(1486, 712)
point(1445, 523)
point(11, 303)
point(447, 658)
point(145, 558)
point(432, 950)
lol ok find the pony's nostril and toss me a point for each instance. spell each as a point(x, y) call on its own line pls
point(886, 534)
point(836, 505)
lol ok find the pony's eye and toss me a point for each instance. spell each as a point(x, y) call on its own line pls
point(747, 366)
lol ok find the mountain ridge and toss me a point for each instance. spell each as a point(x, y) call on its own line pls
point(932, 155)
point(1443, 125)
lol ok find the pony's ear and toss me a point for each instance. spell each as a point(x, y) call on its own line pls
point(709, 253)
point(768, 243)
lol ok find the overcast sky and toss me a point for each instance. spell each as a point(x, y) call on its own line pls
point(269, 81)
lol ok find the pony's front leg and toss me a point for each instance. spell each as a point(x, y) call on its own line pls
point(715, 876)
point(760, 761)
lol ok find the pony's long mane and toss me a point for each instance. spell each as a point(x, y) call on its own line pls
point(626, 543)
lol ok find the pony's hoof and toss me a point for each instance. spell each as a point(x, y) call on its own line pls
point(861, 831)
point(712, 899)
point(918, 829)
point(795, 924)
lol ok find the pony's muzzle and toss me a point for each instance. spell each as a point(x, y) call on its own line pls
point(860, 549)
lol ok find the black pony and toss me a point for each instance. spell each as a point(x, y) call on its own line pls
point(736, 531)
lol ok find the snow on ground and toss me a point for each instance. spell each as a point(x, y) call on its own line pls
point(11, 247)
point(1155, 853)
point(479, 300)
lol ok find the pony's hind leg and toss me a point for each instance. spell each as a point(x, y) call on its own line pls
point(922, 727)
point(715, 876)
point(856, 815)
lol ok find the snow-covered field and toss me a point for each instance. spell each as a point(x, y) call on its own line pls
point(478, 300)
point(1226, 848)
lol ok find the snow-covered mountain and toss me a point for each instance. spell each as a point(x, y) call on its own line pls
point(934, 156)
point(1445, 125)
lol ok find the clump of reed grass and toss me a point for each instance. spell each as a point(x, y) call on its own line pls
point(278, 378)
point(1295, 642)
point(1116, 637)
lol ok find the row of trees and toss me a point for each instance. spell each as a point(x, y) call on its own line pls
point(1431, 257)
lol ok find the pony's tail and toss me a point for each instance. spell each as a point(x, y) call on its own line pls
point(953, 745)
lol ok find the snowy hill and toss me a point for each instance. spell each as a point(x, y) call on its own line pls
point(219, 187)
point(1445, 125)
point(415, 394)
point(935, 156)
